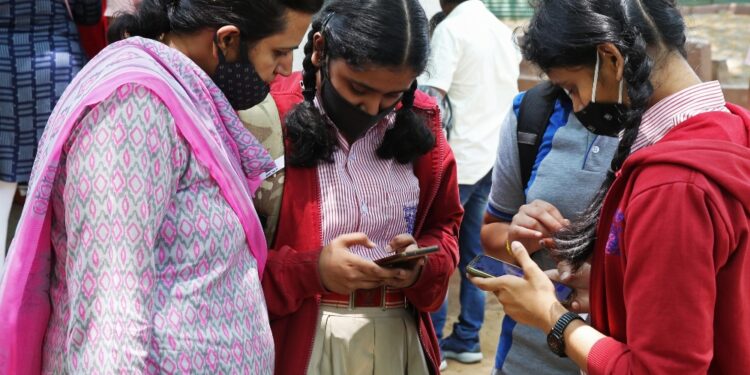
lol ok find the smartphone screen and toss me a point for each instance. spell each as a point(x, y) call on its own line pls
point(487, 266)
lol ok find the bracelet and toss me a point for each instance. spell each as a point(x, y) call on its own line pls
point(507, 247)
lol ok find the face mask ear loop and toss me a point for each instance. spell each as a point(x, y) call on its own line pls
point(619, 97)
point(596, 79)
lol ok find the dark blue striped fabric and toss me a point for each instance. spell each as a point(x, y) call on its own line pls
point(39, 55)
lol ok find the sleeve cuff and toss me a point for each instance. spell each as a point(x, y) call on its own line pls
point(499, 214)
point(602, 354)
point(310, 281)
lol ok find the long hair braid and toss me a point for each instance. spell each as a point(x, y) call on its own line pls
point(308, 134)
point(575, 243)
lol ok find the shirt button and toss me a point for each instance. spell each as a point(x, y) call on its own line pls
point(363, 209)
point(595, 149)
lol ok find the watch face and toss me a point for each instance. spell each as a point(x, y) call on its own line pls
point(556, 344)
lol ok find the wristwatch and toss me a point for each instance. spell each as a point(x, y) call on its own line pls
point(556, 339)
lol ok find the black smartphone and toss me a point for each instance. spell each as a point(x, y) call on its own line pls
point(400, 259)
point(487, 266)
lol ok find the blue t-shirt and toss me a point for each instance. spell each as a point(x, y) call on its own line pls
point(569, 169)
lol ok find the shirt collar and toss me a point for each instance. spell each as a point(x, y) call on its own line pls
point(671, 111)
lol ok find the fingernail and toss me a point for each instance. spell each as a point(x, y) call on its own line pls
point(564, 275)
point(516, 246)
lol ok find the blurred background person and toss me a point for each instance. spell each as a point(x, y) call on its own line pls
point(475, 62)
point(40, 53)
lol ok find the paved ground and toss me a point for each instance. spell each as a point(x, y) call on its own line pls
point(489, 334)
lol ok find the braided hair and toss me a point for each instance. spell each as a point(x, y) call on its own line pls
point(387, 33)
point(566, 33)
point(256, 19)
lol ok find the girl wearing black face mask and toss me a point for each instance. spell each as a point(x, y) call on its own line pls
point(368, 173)
point(667, 237)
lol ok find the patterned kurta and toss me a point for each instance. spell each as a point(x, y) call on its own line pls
point(39, 55)
point(152, 271)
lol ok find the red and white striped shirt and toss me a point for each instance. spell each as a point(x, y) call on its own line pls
point(675, 109)
point(360, 192)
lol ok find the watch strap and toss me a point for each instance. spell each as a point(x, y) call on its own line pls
point(556, 337)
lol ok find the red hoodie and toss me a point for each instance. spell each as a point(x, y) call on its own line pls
point(670, 281)
point(291, 282)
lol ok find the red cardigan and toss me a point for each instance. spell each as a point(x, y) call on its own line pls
point(291, 281)
point(670, 281)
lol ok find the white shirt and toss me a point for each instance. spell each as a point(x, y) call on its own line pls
point(475, 60)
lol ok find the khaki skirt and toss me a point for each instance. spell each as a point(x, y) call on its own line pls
point(368, 341)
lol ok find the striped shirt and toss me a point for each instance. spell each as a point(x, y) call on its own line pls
point(676, 109)
point(360, 192)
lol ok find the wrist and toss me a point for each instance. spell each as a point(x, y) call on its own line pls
point(556, 311)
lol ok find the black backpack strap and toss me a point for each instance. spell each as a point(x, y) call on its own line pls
point(536, 108)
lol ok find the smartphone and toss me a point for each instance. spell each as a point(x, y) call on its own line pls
point(396, 260)
point(487, 266)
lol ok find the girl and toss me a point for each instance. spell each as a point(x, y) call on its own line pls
point(367, 169)
point(669, 242)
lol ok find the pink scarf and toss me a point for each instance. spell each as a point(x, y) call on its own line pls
point(203, 117)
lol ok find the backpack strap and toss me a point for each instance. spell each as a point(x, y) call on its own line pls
point(536, 108)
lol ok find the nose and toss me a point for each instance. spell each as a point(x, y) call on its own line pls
point(284, 66)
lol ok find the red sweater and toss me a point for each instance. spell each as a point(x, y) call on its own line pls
point(291, 282)
point(670, 281)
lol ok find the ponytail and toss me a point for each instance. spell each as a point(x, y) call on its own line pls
point(409, 138)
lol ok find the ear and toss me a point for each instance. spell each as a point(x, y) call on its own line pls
point(228, 40)
point(611, 57)
point(319, 44)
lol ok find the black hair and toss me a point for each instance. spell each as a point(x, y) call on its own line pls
point(304, 6)
point(443, 2)
point(566, 33)
point(364, 33)
point(256, 19)
point(435, 21)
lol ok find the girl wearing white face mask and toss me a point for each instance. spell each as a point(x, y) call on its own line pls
point(668, 235)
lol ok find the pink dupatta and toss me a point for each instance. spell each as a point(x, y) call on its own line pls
point(203, 117)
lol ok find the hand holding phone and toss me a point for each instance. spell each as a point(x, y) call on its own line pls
point(487, 266)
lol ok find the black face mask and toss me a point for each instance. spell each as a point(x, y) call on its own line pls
point(239, 81)
point(349, 119)
point(602, 118)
